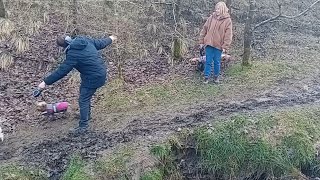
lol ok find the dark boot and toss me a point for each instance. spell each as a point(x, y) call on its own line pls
point(206, 80)
point(78, 130)
point(216, 80)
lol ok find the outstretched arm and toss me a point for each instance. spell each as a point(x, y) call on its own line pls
point(62, 71)
point(103, 43)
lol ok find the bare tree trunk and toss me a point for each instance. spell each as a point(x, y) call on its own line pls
point(248, 35)
point(118, 51)
point(229, 3)
point(74, 17)
point(177, 10)
point(2, 9)
point(177, 49)
point(177, 44)
point(107, 4)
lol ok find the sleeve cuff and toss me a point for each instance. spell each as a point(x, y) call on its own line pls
point(46, 80)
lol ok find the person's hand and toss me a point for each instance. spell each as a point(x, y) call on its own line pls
point(113, 38)
point(42, 85)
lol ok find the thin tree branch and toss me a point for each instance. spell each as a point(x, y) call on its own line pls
point(303, 12)
point(279, 7)
point(235, 8)
point(267, 21)
point(162, 3)
point(174, 15)
point(279, 20)
point(284, 16)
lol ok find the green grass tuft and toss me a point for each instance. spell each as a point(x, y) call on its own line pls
point(299, 148)
point(225, 148)
point(166, 169)
point(76, 170)
point(114, 167)
point(155, 174)
point(13, 172)
point(268, 145)
point(162, 152)
point(265, 159)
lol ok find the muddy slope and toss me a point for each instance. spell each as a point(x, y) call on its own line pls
point(53, 155)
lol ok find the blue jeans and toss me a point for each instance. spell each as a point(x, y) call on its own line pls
point(85, 105)
point(212, 54)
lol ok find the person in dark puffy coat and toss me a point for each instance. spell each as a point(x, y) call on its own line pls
point(82, 53)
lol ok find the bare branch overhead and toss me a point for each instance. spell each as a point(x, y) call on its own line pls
point(281, 21)
point(303, 12)
point(272, 19)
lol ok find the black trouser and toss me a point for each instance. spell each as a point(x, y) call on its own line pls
point(85, 105)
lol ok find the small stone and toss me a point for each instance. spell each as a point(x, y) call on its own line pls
point(279, 96)
point(306, 87)
point(179, 129)
point(262, 100)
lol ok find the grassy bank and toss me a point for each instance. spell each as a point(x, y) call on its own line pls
point(278, 146)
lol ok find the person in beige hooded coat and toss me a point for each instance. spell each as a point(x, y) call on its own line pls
point(216, 37)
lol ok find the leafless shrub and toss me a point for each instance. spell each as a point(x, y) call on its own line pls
point(6, 27)
point(6, 60)
point(21, 43)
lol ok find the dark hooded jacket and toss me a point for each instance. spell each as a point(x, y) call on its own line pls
point(83, 55)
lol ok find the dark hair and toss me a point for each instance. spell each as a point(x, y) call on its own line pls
point(61, 41)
